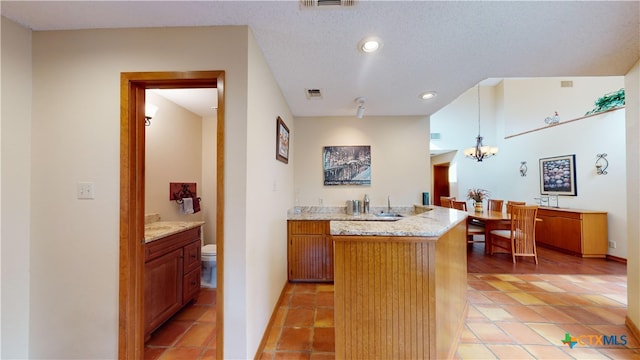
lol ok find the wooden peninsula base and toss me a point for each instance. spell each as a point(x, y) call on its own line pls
point(400, 297)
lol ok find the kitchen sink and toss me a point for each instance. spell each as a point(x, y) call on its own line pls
point(390, 215)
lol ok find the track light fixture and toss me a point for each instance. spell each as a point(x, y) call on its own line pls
point(360, 111)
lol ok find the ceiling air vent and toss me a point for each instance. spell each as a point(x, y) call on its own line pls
point(320, 3)
point(566, 83)
point(313, 94)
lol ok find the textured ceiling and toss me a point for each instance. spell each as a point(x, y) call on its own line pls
point(446, 47)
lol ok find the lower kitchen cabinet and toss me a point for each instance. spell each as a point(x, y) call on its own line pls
point(309, 251)
point(172, 276)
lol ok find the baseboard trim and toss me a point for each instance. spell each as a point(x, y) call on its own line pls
point(616, 259)
point(274, 314)
point(632, 327)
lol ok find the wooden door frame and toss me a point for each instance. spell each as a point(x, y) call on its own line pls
point(437, 194)
point(132, 157)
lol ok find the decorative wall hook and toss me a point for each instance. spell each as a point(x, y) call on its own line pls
point(601, 164)
point(523, 168)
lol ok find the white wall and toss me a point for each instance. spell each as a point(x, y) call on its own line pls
point(632, 98)
point(209, 180)
point(500, 174)
point(76, 120)
point(173, 149)
point(528, 102)
point(399, 158)
point(269, 195)
point(15, 189)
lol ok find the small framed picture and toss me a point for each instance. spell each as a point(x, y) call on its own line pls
point(558, 175)
point(282, 141)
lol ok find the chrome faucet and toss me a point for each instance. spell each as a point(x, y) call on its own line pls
point(389, 203)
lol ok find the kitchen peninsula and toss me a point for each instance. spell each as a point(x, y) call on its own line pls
point(400, 283)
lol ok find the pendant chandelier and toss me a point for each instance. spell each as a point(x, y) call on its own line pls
point(480, 151)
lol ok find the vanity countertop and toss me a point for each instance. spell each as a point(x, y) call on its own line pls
point(159, 229)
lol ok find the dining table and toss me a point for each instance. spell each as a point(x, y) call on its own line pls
point(492, 220)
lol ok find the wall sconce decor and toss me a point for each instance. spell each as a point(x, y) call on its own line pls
point(601, 164)
point(523, 168)
point(149, 112)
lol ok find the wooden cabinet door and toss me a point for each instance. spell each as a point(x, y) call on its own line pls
point(162, 288)
point(307, 257)
point(191, 287)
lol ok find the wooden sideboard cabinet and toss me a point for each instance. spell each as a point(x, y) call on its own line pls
point(309, 251)
point(172, 276)
point(578, 232)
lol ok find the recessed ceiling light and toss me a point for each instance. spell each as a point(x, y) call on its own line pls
point(428, 95)
point(369, 45)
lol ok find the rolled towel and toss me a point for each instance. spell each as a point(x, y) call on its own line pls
point(187, 206)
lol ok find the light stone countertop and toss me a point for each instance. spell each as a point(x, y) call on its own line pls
point(417, 221)
point(160, 229)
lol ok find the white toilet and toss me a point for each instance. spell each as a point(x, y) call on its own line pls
point(209, 265)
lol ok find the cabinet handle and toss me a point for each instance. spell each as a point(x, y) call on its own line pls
point(193, 283)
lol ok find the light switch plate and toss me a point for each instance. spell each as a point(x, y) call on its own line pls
point(86, 190)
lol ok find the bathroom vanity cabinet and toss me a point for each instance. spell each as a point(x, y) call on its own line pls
point(309, 251)
point(172, 276)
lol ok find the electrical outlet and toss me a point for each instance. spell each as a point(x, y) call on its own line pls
point(612, 244)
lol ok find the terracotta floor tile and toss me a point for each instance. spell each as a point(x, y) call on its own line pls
point(474, 315)
point(198, 335)
point(153, 353)
point(268, 355)
point(480, 285)
point(494, 312)
point(323, 339)
point(553, 314)
point(579, 352)
point(584, 316)
point(547, 286)
point(475, 297)
point(474, 352)
point(500, 298)
point(522, 333)
point(524, 313)
point(168, 334)
point(622, 354)
point(503, 286)
point(303, 300)
point(327, 287)
point(468, 337)
point(526, 299)
point(305, 288)
point(546, 352)
point(291, 355)
point(192, 313)
point(281, 314)
point(490, 333)
point(208, 354)
point(206, 297)
point(297, 339)
point(553, 333)
point(324, 318)
point(209, 315)
point(181, 353)
point(299, 317)
point(509, 351)
point(603, 300)
point(322, 356)
point(325, 299)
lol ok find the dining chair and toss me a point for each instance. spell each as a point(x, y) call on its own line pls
point(495, 205)
point(520, 239)
point(511, 203)
point(472, 228)
point(447, 201)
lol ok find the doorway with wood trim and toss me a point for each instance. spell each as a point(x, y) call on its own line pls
point(440, 182)
point(132, 185)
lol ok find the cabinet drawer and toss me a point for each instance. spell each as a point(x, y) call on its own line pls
point(307, 227)
point(191, 286)
point(559, 213)
point(162, 246)
point(192, 256)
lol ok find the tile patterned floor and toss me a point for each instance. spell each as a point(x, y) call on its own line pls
point(190, 334)
point(510, 317)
